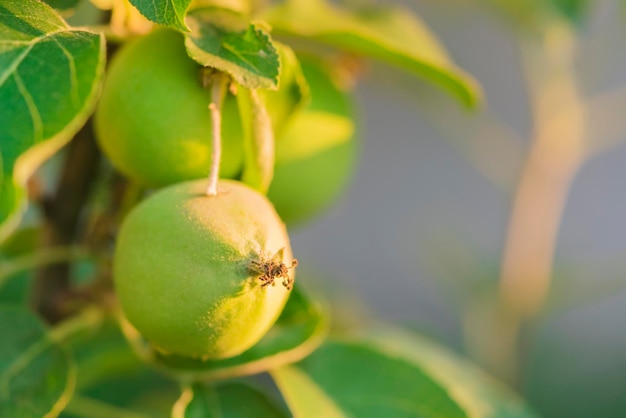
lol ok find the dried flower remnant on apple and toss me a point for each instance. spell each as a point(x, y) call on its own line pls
point(204, 297)
point(269, 270)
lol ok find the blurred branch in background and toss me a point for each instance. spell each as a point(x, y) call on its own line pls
point(62, 212)
point(556, 153)
point(568, 130)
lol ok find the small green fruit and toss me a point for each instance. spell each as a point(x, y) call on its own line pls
point(315, 155)
point(153, 121)
point(196, 274)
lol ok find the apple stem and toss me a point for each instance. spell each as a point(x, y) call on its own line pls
point(218, 91)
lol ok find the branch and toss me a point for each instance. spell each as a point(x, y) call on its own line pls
point(62, 218)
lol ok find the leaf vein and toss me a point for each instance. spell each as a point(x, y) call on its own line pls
point(232, 49)
point(31, 43)
point(32, 109)
point(73, 75)
point(23, 360)
point(13, 67)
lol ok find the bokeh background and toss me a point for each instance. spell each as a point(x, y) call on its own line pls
point(418, 238)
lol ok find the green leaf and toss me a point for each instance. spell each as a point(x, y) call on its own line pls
point(231, 400)
point(573, 10)
point(239, 6)
point(258, 168)
point(49, 78)
point(17, 270)
point(393, 35)
point(18, 267)
point(353, 380)
point(24, 263)
point(23, 241)
point(300, 329)
point(63, 4)
point(293, 92)
point(541, 14)
point(36, 375)
point(164, 12)
point(85, 407)
point(477, 392)
point(224, 40)
point(15, 286)
point(142, 394)
point(388, 372)
point(104, 356)
point(110, 375)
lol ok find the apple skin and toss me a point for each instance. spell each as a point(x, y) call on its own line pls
point(153, 124)
point(182, 268)
point(153, 121)
point(317, 151)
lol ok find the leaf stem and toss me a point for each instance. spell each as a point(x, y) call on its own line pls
point(557, 151)
point(42, 258)
point(218, 91)
point(180, 406)
point(134, 338)
point(258, 169)
point(90, 318)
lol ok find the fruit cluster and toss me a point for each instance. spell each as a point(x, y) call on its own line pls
point(196, 274)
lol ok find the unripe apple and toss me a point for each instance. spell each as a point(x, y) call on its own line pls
point(316, 152)
point(153, 121)
point(203, 276)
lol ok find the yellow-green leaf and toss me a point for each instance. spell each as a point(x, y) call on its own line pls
point(390, 34)
point(258, 167)
point(164, 12)
point(385, 372)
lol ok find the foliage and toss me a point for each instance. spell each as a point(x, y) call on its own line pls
point(77, 353)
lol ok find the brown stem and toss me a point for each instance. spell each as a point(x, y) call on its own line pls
point(556, 153)
point(62, 214)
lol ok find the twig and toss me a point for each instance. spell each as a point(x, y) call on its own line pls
point(557, 151)
point(62, 212)
point(495, 332)
point(41, 258)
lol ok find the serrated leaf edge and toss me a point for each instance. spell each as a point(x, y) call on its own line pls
point(180, 20)
point(262, 82)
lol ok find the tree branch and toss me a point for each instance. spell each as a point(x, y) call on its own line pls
point(62, 212)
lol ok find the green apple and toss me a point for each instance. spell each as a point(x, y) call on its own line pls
point(316, 151)
point(153, 121)
point(203, 276)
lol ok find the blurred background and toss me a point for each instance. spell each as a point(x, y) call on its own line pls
point(419, 237)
